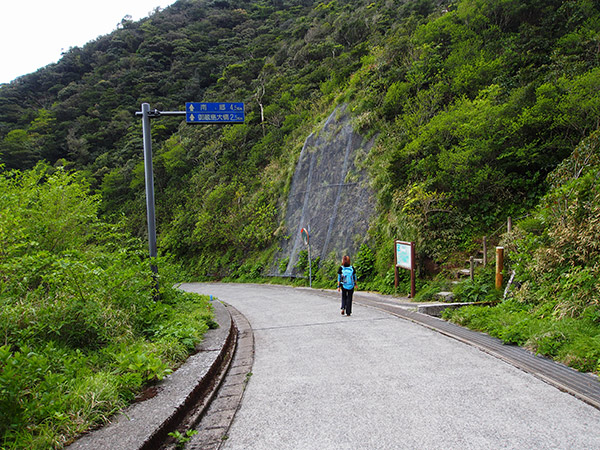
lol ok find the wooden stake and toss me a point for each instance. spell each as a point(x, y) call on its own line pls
point(484, 251)
point(471, 268)
point(499, 266)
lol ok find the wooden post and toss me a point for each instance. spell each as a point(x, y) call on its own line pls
point(509, 225)
point(484, 251)
point(401, 259)
point(471, 268)
point(499, 266)
point(413, 276)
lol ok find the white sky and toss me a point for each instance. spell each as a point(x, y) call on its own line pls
point(33, 33)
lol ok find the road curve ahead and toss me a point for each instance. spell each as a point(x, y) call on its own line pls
point(321, 380)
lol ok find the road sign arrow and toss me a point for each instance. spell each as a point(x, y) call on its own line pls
point(219, 113)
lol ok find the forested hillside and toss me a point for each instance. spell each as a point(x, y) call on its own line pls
point(471, 104)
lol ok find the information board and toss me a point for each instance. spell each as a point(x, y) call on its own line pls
point(404, 255)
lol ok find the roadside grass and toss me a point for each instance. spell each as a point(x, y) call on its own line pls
point(52, 391)
point(574, 342)
point(81, 333)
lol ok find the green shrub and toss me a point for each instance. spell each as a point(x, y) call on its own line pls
point(476, 291)
point(326, 275)
point(82, 333)
point(302, 261)
point(247, 272)
point(428, 291)
point(575, 342)
point(364, 262)
point(282, 265)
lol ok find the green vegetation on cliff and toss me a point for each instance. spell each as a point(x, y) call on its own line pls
point(555, 253)
point(479, 110)
point(472, 104)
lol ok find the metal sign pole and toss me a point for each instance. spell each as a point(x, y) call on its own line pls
point(149, 176)
point(309, 267)
point(218, 113)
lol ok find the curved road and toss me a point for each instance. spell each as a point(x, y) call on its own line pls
point(321, 380)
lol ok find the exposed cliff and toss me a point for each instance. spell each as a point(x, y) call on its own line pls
point(330, 194)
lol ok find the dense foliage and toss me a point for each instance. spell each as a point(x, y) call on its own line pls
point(555, 254)
point(472, 104)
point(81, 331)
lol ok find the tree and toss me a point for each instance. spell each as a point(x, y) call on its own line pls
point(17, 150)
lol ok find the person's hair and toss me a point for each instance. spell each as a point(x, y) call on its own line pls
point(346, 261)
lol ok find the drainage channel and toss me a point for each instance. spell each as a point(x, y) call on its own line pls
point(212, 427)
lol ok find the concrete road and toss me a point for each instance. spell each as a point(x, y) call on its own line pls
point(321, 380)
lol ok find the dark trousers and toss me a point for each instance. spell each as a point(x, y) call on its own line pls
point(347, 300)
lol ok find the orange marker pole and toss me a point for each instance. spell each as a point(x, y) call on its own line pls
point(499, 266)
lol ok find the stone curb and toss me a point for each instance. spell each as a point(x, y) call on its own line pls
point(145, 425)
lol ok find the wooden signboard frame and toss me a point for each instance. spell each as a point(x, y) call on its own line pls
point(404, 257)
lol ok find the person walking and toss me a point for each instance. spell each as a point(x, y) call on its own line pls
point(346, 283)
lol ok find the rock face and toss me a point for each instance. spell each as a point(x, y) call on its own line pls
point(329, 195)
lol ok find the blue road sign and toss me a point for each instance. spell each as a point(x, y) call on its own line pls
point(224, 113)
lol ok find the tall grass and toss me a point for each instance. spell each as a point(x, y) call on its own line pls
point(80, 331)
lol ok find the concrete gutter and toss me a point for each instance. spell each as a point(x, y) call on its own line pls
point(145, 425)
